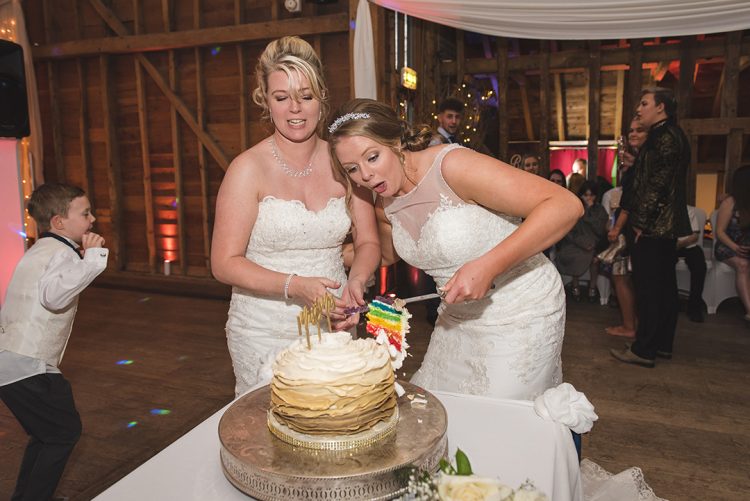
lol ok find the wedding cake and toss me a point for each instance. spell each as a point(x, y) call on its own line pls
point(334, 386)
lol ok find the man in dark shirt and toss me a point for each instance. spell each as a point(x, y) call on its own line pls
point(656, 205)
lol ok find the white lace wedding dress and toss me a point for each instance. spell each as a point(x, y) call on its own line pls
point(288, 238)
point(506, 345)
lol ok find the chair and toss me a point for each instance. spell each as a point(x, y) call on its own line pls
point(603, 285)
point(720, 278)
point(683, 272)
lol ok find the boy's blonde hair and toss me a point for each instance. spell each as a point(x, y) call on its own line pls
point(50, 200)
point(296, 58)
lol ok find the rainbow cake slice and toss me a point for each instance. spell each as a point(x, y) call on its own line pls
point(388, 322)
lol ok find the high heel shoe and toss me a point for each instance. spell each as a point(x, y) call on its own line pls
point(593, 296)
point(575, 292)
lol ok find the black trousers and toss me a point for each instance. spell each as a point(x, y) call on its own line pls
point(656, 301)
point(696, 263)
point(44, 407)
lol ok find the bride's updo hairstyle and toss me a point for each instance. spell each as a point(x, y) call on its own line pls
point(296, 58)
point(376, 121)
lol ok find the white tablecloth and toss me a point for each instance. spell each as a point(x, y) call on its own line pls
point(503, 438)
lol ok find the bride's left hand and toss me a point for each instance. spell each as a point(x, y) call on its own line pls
point(470, 282)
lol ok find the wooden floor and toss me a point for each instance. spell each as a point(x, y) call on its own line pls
point(686, 423)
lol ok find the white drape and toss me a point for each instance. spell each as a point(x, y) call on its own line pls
point(365, 82)
point(581, 19)
point(14, 29)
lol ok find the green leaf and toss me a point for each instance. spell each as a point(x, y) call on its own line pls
point(463, 466)
point(446, 467)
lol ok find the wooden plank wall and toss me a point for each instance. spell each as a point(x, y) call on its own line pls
point(696, 67)
point(145, 102)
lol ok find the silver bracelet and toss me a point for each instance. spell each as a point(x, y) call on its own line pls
point(286, 284)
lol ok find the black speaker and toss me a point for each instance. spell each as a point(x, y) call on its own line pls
point(14, 106)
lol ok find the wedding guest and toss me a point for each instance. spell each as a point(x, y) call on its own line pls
point(557, 177)
point(578, 168)
point(657, 212)
point(688, 249)
point(455, 213)
point(575, 181)
point(35, 325)
point(281, 218)
point(530, 163)
point(733, 234)
point(621, 276)
point(576, 251)
point(450, 116)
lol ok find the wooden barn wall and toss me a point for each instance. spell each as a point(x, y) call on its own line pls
point(709, 73)
point(110, 127)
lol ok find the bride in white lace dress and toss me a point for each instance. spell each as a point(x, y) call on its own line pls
point(456, 214)
point(281, 219)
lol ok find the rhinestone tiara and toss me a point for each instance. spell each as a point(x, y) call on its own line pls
point(345, 118)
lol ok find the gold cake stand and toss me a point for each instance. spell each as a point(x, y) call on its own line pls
point(264, 467)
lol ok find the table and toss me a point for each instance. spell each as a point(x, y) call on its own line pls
point(503, 438)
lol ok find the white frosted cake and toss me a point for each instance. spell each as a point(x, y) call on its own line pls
point(338, 386)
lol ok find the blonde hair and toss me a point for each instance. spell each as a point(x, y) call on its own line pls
point(297, 59)
point(382, 125)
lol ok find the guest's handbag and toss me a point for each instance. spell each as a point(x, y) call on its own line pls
point(609, 254)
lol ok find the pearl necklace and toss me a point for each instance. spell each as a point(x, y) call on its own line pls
point(288, 170)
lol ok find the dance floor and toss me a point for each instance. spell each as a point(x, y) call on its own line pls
point(146, 368)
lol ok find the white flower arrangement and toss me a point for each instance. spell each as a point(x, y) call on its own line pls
point(458, 483)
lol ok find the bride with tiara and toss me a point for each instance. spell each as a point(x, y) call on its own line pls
point(281, 219)
point(456, 214)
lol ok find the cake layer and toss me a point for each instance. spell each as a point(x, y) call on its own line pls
point(339, 386)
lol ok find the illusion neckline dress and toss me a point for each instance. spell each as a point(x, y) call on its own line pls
point(506, 345)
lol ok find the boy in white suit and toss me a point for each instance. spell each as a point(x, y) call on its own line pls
point(35, 324)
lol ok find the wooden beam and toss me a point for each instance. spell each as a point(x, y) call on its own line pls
point(687, 72)
point(501, 62)
point(208, 141)
point(202, 163)
point(559, 108)
point(544, 108)
point(380, 40)
point(619, 98)
point(460, 57)
point(710, 48)
point(57, 142)
point(635, 82)
point(114, 176)
point(527, 113)
point(143, 129)
point(352, 4)
point(715, 126)
point(83, 112)
point(729, 101)
point(239, 17)
point(176, 146)
point(594, 108)
point(125, 43)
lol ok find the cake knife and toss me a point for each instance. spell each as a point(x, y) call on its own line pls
point(425, 297)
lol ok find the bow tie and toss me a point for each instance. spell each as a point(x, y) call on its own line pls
point(452, 139)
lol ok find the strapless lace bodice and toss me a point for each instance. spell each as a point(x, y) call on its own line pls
point(505, 345)
point(289, 238)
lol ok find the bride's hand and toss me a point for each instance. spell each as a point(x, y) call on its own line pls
point(306, 290)
point(470, 282)
point(352, 295)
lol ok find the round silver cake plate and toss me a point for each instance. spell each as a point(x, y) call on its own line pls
point(266, 468)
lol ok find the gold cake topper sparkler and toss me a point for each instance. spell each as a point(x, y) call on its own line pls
point(312, 314)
